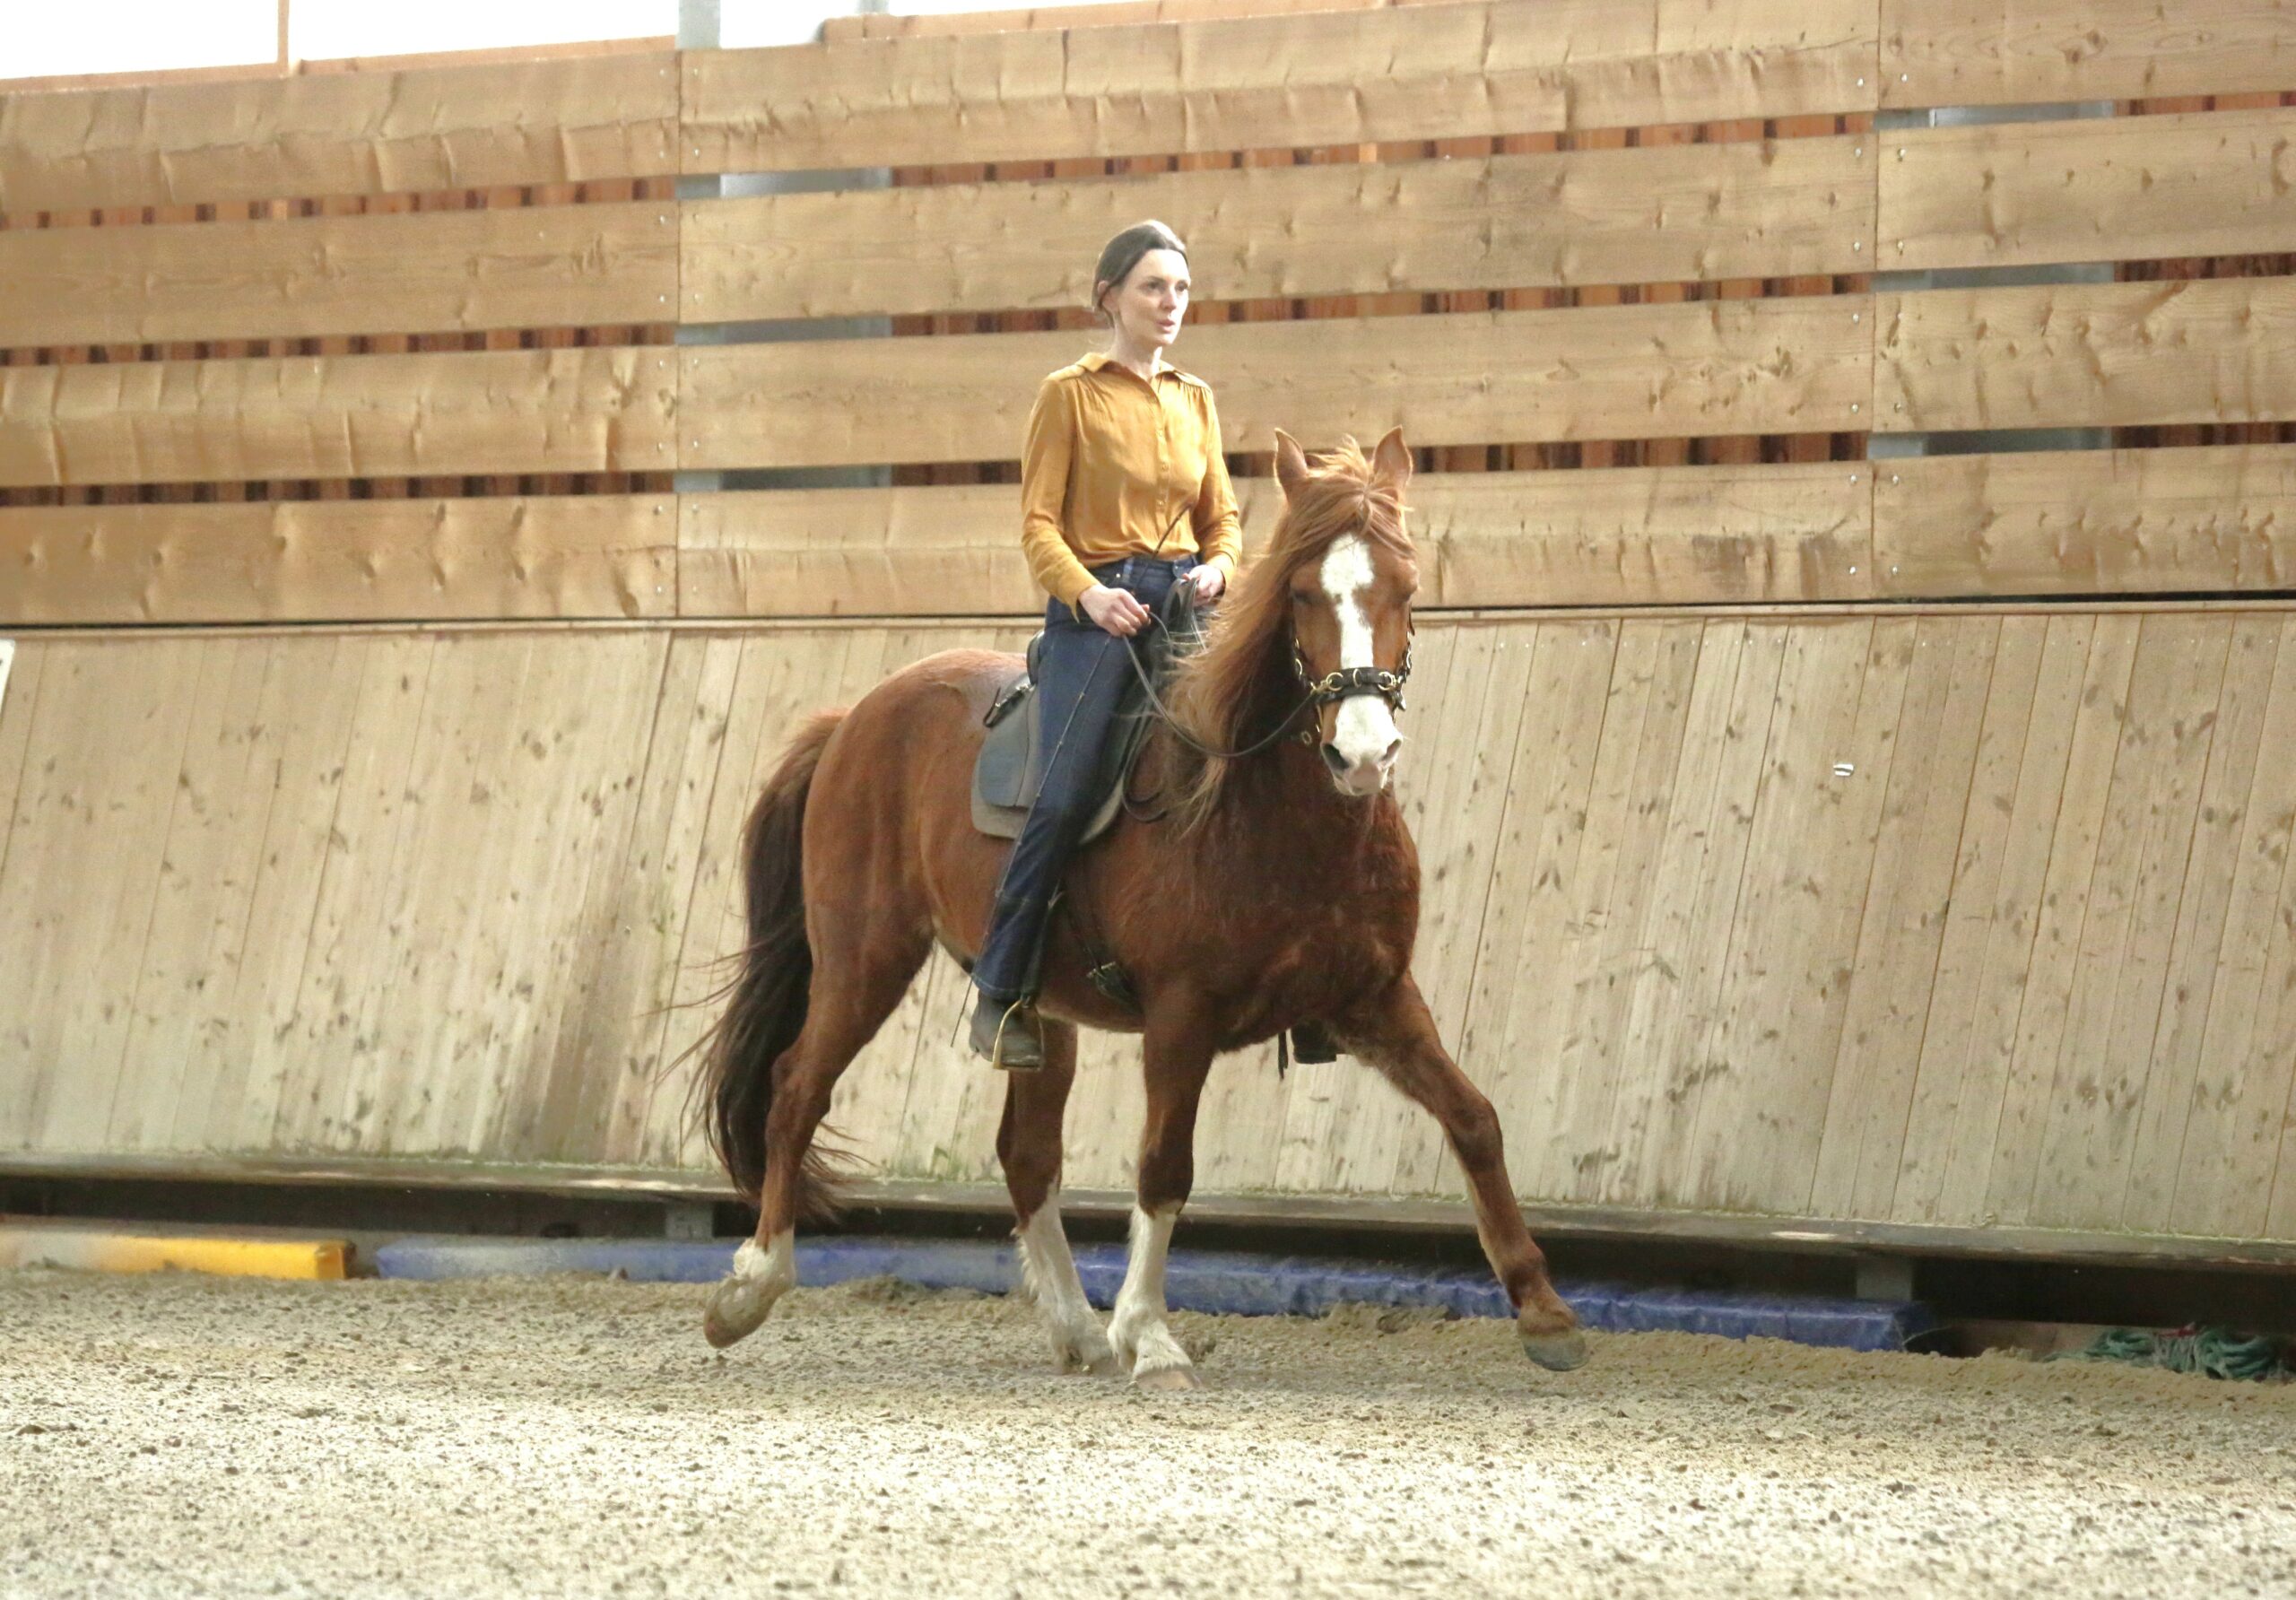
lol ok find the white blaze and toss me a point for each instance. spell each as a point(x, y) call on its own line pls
point(1364, 730)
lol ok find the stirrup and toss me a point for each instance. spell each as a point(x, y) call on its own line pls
point(1010, 1042)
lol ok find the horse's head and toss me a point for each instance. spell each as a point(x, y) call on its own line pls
point(1350, 579)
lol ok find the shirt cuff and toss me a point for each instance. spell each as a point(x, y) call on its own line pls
point(1071, 585)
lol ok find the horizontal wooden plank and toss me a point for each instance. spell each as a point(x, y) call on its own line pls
point(2220, 350)
point(2211, 518)
point(1506, 67)
point(1106, 13)
point(954, 550)
point(434, 271)
point(367, 561)
point(523, 411)
point(564, 120)
point(1663, 535)
point(1667, 213)
point(1634, 535)
point(1769, 366)
point(1992, 52)
point(2121, 189)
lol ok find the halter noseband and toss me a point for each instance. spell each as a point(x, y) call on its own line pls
point(1348, 681)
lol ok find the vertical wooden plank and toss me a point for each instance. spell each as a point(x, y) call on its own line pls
point(325, 1062)
point(2013, 916)
point(698, 699)
point(1576, 980)
point(310, 714)
point(19, 677)
point(2231, 1139)
point(1677, 990)
point(205, 891)
point(20, 753)
point(100, 801)
point(1972, 909)
point(592, 1017)
point(1553, 747)
point(1904, 920)
point(536, 1028)
point(2133, 902)
point(2176, 1061)
point(408, 1083)
point(532, 776)
point(1762, 1109)
point(2103, 707)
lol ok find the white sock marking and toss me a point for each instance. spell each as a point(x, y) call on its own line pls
point(776, 1268)
point(1364, 730)
point(1138, 1331)
point(1050, 1271)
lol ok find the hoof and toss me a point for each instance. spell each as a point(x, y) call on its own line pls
point(1088, 1364)
point(1171, 1380)
point(1557, 1352)
point(737, 1305)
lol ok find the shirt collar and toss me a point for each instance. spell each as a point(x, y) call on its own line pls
point(1098, 359)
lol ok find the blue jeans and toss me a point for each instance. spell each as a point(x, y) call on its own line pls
point(1081, 675)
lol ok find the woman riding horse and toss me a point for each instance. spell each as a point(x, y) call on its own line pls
point(1272, 885)
point(1123, 495)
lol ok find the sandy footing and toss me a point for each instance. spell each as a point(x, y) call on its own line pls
point(179, 1435)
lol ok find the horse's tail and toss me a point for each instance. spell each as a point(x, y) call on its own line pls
point(766, 1007)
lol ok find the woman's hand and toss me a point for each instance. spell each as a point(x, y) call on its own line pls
point(1210, 583)
point(1113, 611)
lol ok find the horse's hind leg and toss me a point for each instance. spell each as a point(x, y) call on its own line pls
point(1028, 1143)
point(857, 983)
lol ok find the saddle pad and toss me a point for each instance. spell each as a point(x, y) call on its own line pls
point(1009, 770)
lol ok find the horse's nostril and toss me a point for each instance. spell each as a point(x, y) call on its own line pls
point(1334, 761)
point(1393, 750)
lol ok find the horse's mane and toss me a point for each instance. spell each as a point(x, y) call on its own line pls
point(1219, 696)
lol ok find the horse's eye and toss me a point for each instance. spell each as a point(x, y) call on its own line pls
point(1298, 598)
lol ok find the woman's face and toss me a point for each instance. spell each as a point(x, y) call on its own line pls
point(1149, 305)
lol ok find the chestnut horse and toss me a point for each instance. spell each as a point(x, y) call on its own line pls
point(1276, 886)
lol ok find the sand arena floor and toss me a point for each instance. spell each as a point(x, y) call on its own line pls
point(172, 1436)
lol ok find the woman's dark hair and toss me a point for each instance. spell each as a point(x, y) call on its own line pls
point(1121, 254)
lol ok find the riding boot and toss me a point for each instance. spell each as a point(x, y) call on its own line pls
point(1007, 1035)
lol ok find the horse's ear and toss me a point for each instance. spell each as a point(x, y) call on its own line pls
point(1290, 464)
point(1392, 460)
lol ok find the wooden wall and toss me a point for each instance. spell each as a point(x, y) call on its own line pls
point(1814, 831)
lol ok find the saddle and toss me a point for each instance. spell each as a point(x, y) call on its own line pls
point(1010, 769)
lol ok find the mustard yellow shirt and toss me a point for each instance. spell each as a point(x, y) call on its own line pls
point(1115, 466)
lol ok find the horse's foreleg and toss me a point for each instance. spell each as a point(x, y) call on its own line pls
point(1176, 1066)
point(1028, 1143)
point(1394, 1034)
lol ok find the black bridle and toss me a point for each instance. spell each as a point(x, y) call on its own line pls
point(1348, 681)
point(1341, 685)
